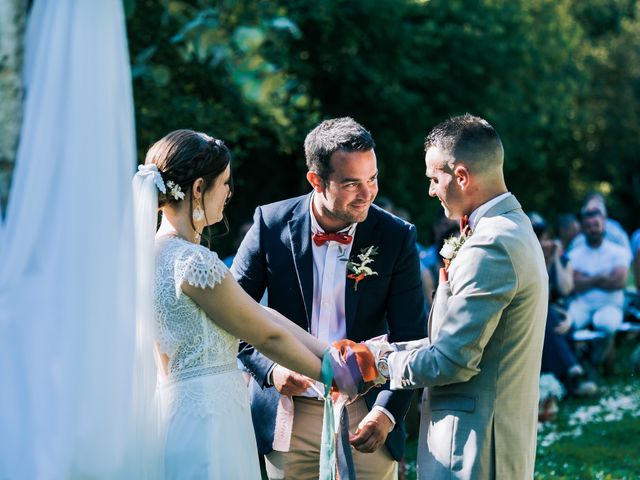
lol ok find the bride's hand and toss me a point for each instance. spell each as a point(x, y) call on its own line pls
point(354, 370)
point(288, 382)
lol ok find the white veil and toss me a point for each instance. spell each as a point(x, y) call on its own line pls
point(148, 436)
point(66, 263)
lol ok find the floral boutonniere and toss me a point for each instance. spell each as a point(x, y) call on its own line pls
point(360, 270)
point(451, 247)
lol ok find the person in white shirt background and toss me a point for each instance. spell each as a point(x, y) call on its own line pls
point(600, 274)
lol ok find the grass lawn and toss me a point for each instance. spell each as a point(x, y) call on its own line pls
point(596, 438)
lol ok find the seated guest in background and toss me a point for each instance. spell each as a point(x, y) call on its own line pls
point(385, 203)
point(613, 231)
point(558, 266)
point(600, 274)
point(558, 357)
point(567, 228)
point(635, 251)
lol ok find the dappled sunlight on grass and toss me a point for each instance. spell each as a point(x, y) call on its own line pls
point(597, 440)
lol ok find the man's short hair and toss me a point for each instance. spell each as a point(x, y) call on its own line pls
point(595, 200)
point(586, 213)
point(468, 139)
point(330, 136)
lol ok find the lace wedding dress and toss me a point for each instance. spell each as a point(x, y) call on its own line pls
point(204, 399)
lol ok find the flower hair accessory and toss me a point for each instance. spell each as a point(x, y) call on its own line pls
point(361, 270)
point(152, 169)
point(174, 190)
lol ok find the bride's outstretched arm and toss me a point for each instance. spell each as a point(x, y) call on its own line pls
point(314, 344)
point(231, 308)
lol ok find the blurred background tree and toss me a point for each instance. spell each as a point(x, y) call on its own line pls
point(558, 79)
point(608, 157)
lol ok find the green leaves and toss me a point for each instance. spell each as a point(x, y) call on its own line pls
point(558, 79)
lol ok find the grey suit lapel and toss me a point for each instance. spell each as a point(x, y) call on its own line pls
point(506, 205)
point(300, 235)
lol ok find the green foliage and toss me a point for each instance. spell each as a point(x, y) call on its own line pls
point(514, 63)
point(556, 78)
point(204, 67)
point(609, 128)
point(402, 67)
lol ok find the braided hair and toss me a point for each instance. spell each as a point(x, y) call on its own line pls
point(182, 157)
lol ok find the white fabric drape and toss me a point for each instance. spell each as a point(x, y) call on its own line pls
point(66, 261)
point(149, 435)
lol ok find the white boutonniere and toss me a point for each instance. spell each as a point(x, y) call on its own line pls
point(452, 246)
point(360, 270)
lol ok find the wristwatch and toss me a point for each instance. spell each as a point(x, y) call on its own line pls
point(383, 364)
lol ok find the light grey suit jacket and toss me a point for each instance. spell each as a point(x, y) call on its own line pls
point(482, 359)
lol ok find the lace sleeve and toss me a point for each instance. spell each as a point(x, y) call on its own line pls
point(198, 267)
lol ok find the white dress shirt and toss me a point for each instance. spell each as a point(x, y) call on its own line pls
point(328, 315)
point(329, 283)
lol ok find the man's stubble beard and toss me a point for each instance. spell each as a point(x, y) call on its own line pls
point(349, 218)
point(595, 242)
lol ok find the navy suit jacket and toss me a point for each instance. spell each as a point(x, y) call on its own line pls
point(276, 255)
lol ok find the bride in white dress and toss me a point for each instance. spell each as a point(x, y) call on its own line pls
point(200, 312)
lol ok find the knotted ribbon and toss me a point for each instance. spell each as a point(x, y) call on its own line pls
point(152, 170)
point(322, 237)
point(348, 370)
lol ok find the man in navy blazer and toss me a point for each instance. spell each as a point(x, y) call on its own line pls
point(298, 250)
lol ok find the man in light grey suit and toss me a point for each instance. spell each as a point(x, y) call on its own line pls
point(481, 361)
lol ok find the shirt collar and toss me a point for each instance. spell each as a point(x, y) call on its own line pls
point(479, 212)
point(316, 228)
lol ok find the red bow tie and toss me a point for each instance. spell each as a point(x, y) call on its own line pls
point(321, 238)
point(464, 225)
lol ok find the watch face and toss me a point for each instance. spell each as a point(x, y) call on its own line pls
point(383, 367)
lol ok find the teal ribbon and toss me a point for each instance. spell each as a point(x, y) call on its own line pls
point(328, 440)
point(336, 460)
point(326, 372)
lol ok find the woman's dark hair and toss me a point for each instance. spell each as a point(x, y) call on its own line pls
point(182, 157)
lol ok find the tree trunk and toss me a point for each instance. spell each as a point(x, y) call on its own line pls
point(12, 24)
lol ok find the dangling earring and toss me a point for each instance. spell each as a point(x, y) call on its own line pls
point(198, 213)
